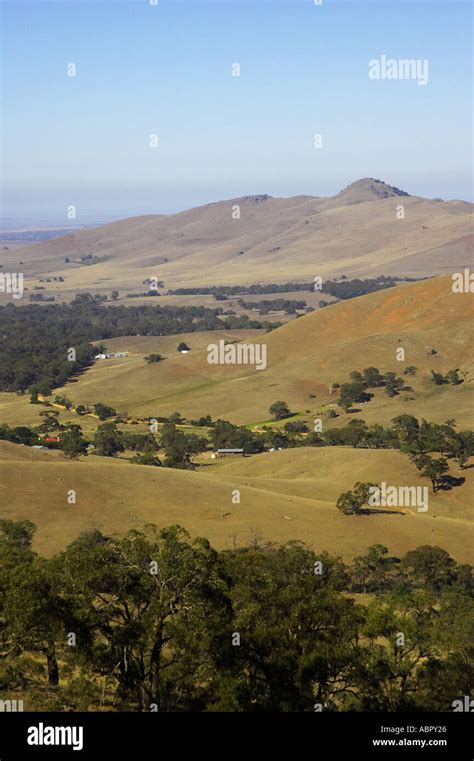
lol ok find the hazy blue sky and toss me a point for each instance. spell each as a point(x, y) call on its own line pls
point(167, 69)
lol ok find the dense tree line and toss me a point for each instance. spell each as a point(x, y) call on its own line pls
point(236, 290)
point(407, 433)
point(289, 306)
point(341, 289)
point(154, 621)
point(35, 340)
point(350, 289)
point(34, 344)
point(413, 437)
point(142, 293)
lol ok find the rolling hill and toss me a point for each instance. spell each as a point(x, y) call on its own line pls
point(357, 232)
point(284, 495)
point(288, 494)
point(304, 357)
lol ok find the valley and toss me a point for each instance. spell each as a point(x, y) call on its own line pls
point(286, 494)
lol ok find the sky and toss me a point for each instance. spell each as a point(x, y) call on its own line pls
point(166, 69)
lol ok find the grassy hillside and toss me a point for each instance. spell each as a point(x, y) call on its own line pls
point(284, 495)
point(356, 232)
point(305, 356)
point(288, 494)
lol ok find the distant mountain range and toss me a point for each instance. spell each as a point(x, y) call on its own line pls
point(369, 228)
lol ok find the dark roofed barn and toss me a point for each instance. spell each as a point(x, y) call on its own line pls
point(229, 452)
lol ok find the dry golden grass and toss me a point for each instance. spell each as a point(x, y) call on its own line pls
point(304, 356)
point(285, 495)
point(356, 233)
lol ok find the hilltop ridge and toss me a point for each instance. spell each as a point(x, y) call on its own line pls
point(358, 232)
